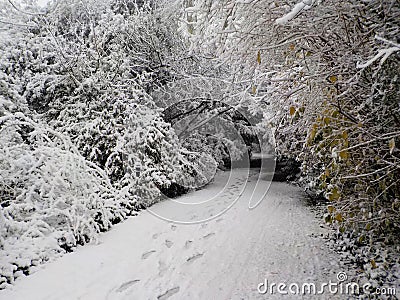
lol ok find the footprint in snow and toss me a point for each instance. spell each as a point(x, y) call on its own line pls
point(194, 257)
point(168, 243)
point(173, 227)
point(155, 236)
point(188, 243)
point(208, 235)
point(203, 225)
point(168, 293)
point(147, 254)
point(162, 268)
point(127, 285)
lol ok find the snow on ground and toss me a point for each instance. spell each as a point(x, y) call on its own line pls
point(225, 257)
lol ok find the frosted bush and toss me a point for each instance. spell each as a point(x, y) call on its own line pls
point(51, 198)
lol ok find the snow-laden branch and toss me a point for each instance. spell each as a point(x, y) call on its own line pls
point(383, 54)
point(16, 24)
point(22, 11)
point(297, 9)
point(387, 41)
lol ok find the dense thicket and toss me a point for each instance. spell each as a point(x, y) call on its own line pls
point(82, 143)
point(326, 76)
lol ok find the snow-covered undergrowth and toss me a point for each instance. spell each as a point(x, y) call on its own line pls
point(51, 197)
point(82, 144)
point(375, 263)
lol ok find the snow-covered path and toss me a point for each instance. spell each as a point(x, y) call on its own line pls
point(223, 258)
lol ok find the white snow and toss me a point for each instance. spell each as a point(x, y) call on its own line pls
point(303, 5)
point(225, 257)
point(383, 54)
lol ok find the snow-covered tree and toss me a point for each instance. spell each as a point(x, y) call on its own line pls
point(325, 75)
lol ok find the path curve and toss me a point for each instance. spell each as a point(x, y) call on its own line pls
point(224, 258)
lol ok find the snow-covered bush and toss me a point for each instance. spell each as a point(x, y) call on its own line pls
point(51, 197)
point(88, 70)
point(82, 143)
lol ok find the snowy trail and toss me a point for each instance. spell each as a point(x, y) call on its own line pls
point(224, 258)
